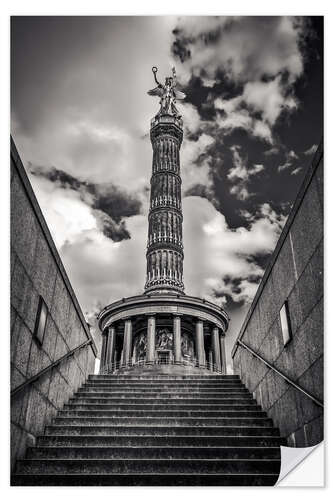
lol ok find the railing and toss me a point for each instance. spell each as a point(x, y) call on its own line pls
point(33, 379)
point(115, 367)
point(287, 379)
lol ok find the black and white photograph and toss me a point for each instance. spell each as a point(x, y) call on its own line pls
point(166, 249)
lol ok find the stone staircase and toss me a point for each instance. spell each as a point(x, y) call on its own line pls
point(156, 431)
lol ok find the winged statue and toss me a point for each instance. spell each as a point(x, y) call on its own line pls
point(168, 93)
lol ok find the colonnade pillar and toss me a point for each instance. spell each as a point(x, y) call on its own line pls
point(199, 342)
point(151, 332)
point(216, 348)
point(110, 343)
point(223, 356)
point(177, 339)
point(127, 345)
point(102, 360)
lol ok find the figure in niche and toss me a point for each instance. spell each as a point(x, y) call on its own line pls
point(141, 346)
point(164, 339)
point(187, 346)
point(168, 94)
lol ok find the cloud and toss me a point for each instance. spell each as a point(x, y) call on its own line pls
point(225, 254)
point(268, 98)
point(102, 270)
point(296, 171)
point(109, 204)
point(311, 150)
point(290, 158)
point(240, 174)
point(245, 47)
point(196, 163)
point(260, 55)
point(234, 116)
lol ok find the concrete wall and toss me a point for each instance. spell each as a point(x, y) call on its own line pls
point(295, 273)
point(36, 269)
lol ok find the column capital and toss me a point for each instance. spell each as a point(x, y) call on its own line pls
point(177, 315)
point(150, 314)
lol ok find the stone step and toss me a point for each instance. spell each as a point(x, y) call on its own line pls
point(142, 479)
point(249, 405)
point(140, 465)
point(149, 391)
point(163, 377)
point(160, 394)
point(157, 440)
point(237, 399)
point(159, 413)
point(175, 384)
point(179, 421)
point(162, 389)
point(155, 466)
point(160, 430)
point(167, 452)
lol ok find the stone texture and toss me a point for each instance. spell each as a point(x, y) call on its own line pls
point(296, 275)
point(36, 270)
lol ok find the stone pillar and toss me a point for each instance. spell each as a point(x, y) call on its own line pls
point(199, 343)
point(223, 356)
point(111, 336)
point(216, 348)
point(127, 345)
point(151, 332)
point(102, 360)
point(210, 357)
point(177, 339)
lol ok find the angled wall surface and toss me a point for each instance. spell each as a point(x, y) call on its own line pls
point(37, 274)
point(294, 277)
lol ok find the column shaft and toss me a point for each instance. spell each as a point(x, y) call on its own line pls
point(151, 331)
point(223, 356)
point(210, 354)
point(199, 339)
point(127, 346)
point(216, 348)
point(177, 339)
point(111, 334)
point(102, 360)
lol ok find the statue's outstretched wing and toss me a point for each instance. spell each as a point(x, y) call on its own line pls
point(156, 91)
point(179, 94)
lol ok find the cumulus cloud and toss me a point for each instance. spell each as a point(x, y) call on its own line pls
point(109, 204)
point(240, 174)
point(225, 254)
point(196, 163)
point(234, 116)
point(261, 55)
point(245, 47)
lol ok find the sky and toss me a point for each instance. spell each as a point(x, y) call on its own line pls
point(80, 118)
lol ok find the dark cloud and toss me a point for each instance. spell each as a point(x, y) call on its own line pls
point(111, 229)
point(109, 203)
